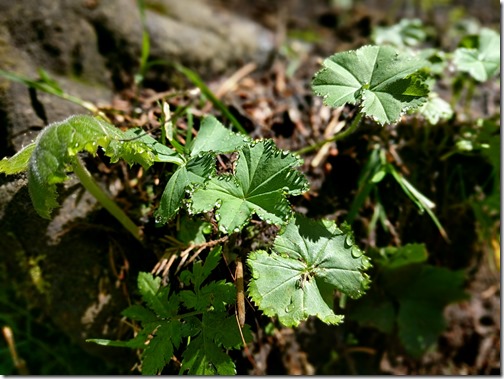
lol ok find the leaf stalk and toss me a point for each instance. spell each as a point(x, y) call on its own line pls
point(90, 184)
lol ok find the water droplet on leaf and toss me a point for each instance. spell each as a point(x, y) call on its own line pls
point(356, 252)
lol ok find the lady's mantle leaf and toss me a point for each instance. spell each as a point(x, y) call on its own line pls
point(212, 138)
point(310, 260)
point(378, 77)
point(264, 176)
point(59, 142)
point(481, 61)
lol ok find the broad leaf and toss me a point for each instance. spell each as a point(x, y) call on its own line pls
point(264, 176)
point(377, 77)
point(310, 260)
point(408, 32)
point(212, 138)
point(481, 61)
point(50, 158)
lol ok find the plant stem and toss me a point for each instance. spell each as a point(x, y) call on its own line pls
point(350, 130)
point(90, 184)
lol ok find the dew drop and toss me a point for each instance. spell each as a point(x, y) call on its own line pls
point(349, 240)
point(236, 230)
point(356, 252)
point(285, 153)
point(76, 144)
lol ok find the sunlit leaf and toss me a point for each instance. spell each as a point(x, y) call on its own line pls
point(213, 138)
point(379, 78)
point(481, 61)
point(308, 262)
point(264, 176)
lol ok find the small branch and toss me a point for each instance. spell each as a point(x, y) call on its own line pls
point(350, 130)
point(90, 184)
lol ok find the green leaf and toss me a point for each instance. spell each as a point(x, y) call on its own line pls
point(482, 61)
point(394, 257)
point(156, 296)
point(138, 313)
point(17, 163)
point(423, 291)
point(436, 109)
point(160, 349)
point(194, 172)
point(264, 176)
point(50, 159)
point(213, 138)
point(310, 260)
point(192, 231)
point(374, 311)
point(408, 32)
point(377, 77)
point(60, 142)
point(420, 323)
point(205, 355)
point(136, 146)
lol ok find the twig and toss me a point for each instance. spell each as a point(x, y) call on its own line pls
point(19, 363)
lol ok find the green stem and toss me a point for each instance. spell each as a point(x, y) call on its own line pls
point(350, 130)
point(90, 184)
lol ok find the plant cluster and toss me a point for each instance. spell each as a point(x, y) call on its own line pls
point(296, 273)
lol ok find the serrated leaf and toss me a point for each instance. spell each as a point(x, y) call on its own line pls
point(136, 146)
point(160, 349)
point(264, 176)
point(482, 61)
point(194, 172)
point(201, 270)
point(212, 138)
point(205, 355)
point(17, 163)
point(215, 294)
point(308, 259)
point(378, 77)
point(58, 143)
point(156, 296)
point(138, 313)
